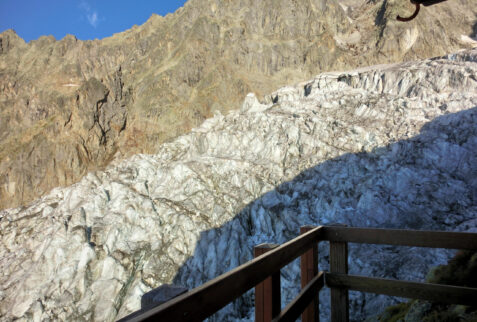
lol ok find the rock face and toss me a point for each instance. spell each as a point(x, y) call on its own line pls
point(387, 146)
point(68, 107)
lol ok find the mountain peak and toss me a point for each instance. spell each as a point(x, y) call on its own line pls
point(9, 39)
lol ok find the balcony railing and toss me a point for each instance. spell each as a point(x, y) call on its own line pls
point(263, 273)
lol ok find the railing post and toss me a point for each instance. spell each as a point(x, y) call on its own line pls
point(267, 293)
point(339, 296)
point(309, 269)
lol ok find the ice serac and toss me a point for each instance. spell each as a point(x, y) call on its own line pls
point(68, 106)
point(385, 146)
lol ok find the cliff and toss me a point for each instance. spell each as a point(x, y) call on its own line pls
point(68, 107)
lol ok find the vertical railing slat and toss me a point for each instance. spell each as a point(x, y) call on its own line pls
point(267, 293)
point(309, 269)
point(339, 296)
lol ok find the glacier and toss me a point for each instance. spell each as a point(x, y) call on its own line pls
point(390, 146)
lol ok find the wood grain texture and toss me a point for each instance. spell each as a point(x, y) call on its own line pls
point(267, 293)
point(424, 291)
point(309, 270)
point(339, 295)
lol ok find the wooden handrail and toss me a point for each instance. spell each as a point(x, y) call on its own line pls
point(210, 297)
point(416, 290)
point(340, 282)
point(401, 237)
point(207, 299)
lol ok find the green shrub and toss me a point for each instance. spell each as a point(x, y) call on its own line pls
point(461, 270)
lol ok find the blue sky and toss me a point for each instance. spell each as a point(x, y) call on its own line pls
point(86, 19)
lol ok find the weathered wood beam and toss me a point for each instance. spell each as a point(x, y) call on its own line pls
point(267, 293)
point(309, 270)
point(339, 295)
point(401, 237)
point(424, 291)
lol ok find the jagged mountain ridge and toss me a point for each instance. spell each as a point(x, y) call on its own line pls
point(386, 146)
point(68, 107)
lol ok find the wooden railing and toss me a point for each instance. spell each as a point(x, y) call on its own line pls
point(263, 272)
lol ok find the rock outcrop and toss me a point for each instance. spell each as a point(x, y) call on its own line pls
point(386, 146)
point(68, 107)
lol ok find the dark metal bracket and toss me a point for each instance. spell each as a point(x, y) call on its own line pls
point(418, 3)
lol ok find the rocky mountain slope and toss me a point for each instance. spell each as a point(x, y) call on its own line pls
point(384, 146)
point(68, 107)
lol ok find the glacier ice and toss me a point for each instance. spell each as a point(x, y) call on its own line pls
point(388, 146)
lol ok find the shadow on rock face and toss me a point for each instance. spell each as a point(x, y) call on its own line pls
point(426, 182)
